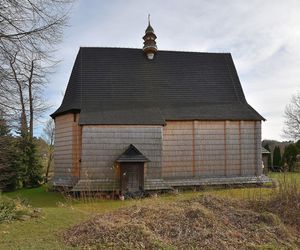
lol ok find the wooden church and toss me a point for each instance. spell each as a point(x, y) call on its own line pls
point(147, 119)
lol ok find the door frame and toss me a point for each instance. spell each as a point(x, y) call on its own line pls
point(140, 172)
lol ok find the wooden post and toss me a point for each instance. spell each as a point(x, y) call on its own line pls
point(193, 145)
point(79, 148)
point(76, 146)
point(225, 148)
point(255, 149)
point(240, 150)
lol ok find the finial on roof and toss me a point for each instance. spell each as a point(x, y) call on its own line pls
point(149, 28)
point(150, 47)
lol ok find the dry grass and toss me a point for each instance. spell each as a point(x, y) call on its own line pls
point(284, 202)
point(206, 222)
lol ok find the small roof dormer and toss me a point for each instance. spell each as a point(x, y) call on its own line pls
point(150, 47)
point(132, 154)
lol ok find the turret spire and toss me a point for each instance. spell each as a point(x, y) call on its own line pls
point(150, 47)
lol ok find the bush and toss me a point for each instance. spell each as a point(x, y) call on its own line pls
point(290, 156)
point(284, 201)
point(15, 209)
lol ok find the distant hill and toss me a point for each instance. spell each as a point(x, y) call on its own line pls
point(273, 143)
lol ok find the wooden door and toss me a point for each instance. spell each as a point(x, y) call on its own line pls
point(132, 177)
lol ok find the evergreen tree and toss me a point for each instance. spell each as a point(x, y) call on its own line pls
point(276, 158)
point(279, 157)
point(31, 167)
point(290, 156)
point(9, 168)
point(19, 160)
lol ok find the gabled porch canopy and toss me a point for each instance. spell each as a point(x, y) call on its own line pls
point(132, 154)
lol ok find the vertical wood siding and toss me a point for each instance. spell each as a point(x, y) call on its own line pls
point(101, 145)
point(259, 170)
point(248, 148)
point(66, 148)
point(233, 148)
point(76, 150)
point(182, 149)
point(211, 149)
point(178, 150)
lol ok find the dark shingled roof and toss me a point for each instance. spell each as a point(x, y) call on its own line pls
point(121, 86)
point(264, 151)
point(132, 154)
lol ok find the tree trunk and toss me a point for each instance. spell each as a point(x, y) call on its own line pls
point(50, 157)
point(30, 99)
point(24, 126)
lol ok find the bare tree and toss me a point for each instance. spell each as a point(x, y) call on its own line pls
point(48, 136)
point(23, 92)
point(29, 31)
point(34, 22)
point(292, 118)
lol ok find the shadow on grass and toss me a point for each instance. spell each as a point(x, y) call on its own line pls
point(38, 197)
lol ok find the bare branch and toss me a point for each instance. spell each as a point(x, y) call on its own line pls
point(29, 31)
point(292, 118)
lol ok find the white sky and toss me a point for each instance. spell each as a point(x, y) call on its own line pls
point(263, 37)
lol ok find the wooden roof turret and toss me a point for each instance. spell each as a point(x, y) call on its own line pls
point(150, 47)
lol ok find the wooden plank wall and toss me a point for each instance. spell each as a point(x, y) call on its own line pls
point(178, 149)
point(211, 149)
point(63, 146)
point(257, 132)
point(250, 148)
point(77, 143)
point(67, 147)
point(101, 145)
point(233, 146)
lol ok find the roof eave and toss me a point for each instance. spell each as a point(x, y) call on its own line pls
point(58, 113)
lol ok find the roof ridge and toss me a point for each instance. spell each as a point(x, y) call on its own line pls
point(80, 77)
point(161, 50)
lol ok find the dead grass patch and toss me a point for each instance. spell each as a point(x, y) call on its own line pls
point(284, 202)
point(205, 222)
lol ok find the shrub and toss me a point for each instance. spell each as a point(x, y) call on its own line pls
point(15, 209)
point(284, 201)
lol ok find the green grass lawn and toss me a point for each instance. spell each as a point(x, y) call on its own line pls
point(59, 213)
point(289, 177)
